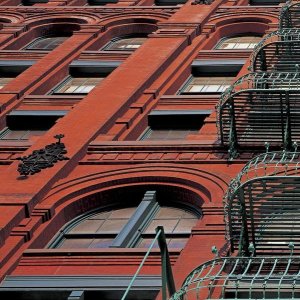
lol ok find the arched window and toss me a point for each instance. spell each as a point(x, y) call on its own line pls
point(239, 42)
point(126, 43)
point(129, 226)
point(46, 43)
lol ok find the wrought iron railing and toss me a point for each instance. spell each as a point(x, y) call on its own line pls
point(260, 107)
point(243, 278)
point(289, 15)
point(262, 204)
point(277, 51)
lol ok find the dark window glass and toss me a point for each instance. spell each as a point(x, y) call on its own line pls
point(46, 43)
point(98, 230)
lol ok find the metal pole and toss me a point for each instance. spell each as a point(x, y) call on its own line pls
point(158, 232)
point(167, 274)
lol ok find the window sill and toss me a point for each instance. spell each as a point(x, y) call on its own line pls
point(99, 252)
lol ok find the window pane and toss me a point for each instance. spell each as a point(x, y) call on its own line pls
point(112, 226)
point(171, 242)
point(101, 216)
point(123, 213)
point(169, 225)
point(167, 134)
point(14, 135)
point(174, 220)
point(185, 226)
point(76, 243)
point(169, 213)
point(78, 85)
point(126, 44)
point(46, 43)
point(4, 81)
point(242, 42)
point(211, 84)
point(87, 226)
point(101, 243)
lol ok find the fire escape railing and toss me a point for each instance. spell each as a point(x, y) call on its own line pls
point(289, 15)
point(262, 204)
point(243, 278)
point(260, 107)
point(263, 106)
point(262, 216)
point(277, 52)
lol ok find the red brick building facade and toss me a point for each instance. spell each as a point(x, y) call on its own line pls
point(133, 87)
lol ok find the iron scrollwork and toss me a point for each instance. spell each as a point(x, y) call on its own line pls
point(43, 158)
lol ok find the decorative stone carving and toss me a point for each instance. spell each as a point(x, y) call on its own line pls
point(43, 158)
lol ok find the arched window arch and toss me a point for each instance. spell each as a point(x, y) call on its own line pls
point(240, 42)
point(125, 43)
point(129, 226)
point(46, 43)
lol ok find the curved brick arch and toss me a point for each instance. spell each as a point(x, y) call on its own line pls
point(40, 31)
point(211, 188)
point(86, 193)
point(13, 18)
point(130, 17)
point(44, 19)
point(126, 26)
point(230, 18)
point(232, 26)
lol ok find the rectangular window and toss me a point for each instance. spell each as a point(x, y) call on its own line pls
point(84, 76)
point(4, 81)
point(173, 124)
point(211, 76)
point(19, 135)
point(207, 84)
point(73, 85)
point(9, 70)
point(22, 125)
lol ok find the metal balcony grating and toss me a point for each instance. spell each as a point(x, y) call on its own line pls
point(243, 278)
point(258, 108)
point(277, 52)
point(262, 205)
point(289, 16)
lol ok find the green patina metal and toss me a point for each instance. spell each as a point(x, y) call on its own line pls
point(166, 268)
point(289, 15)
point(262, 204)
point(243, 278)
point(277, 51)
point(265, 191)
point(260, 107)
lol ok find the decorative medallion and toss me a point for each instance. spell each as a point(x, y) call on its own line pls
point(43, 158)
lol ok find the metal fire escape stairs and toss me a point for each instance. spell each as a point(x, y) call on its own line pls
point(263, 106)
point(262, 204)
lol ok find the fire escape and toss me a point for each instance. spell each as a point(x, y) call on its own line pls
point(262, 204)
point(262, 106)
